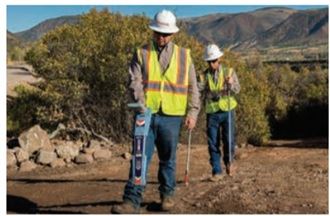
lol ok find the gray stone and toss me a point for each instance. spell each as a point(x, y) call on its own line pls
point(84, 158)
point(102, 154)
point(67, 150)
point(21, 155)
point(34, 139)
point(27, 166)
point(46, 157)
point(11, 159)
point(59, 162)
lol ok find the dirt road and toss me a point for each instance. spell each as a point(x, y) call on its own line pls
point(287, 177)
point(18, 74)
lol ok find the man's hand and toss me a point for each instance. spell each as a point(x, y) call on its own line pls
point(190, 123)
point(229, 80)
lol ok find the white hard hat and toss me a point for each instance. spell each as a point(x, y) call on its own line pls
point(212, 52)
point(164, 22)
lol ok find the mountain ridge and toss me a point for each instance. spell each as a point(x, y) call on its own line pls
point(261, 28)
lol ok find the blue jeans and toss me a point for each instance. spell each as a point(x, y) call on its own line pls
point(215, 122)
point(164, 134)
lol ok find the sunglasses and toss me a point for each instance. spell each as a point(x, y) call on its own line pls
point(163, 34)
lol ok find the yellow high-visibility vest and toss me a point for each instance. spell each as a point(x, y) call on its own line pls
point(225, 102)
point(166, 90)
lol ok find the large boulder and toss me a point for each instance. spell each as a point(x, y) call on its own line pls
point(34, 139)
point(67, 151)
point(46, 157)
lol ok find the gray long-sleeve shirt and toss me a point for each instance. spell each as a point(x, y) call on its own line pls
point(164, 56)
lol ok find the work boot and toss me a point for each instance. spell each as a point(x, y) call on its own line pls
point(230, 169)
point(125, 208)
point(216, 177)
point(167, 203)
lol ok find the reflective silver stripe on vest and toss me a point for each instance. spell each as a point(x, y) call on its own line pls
point(182, 58)
point(175, 89)
point(153, 86)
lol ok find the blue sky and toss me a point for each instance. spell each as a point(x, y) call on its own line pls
point(23, 17)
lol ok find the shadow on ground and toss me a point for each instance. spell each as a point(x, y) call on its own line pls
point(21, 205)
point(315, 143)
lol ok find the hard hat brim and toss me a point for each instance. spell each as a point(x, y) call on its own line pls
point(166, 30)
point(213, 57)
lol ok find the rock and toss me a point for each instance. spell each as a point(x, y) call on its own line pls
point(84, 158)
point(94, 144)
point(91, 149)
point(198, 204)
point(46, 157)
point(11, 159)
point(27, 166)
point(34, 139)
point(59, 162)
point(67, 160)
point(88, 150)
point(102, 154)
point(127, 156)
point(67, 150)
point(21, 155)
point(80, 144)
point(13, 150)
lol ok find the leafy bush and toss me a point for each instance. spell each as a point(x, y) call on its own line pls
point(307, 113)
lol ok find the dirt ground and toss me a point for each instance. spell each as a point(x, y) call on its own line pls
point(285, 177)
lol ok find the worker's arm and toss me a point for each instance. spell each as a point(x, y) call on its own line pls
point(136, 81)
point(194, 103)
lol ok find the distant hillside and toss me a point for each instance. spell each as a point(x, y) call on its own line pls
point(229, 29)
point(39, 30)
point(262, 28)
point(303, 27)
point(12, 41)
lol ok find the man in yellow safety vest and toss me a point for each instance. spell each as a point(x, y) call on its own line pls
point(216, 84)
point(163, 78)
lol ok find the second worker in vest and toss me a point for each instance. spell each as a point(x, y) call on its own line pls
point(163, 78)
point(218, 83)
